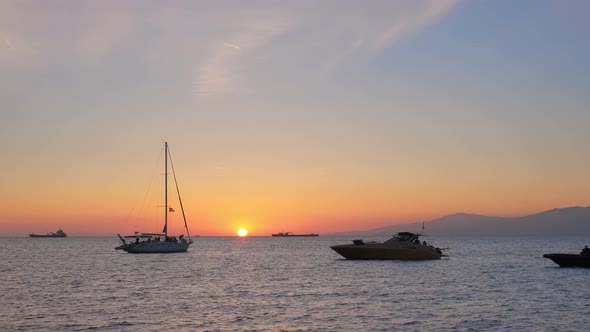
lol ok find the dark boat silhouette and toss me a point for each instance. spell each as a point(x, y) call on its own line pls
point(402, 246)
point(291, 234)
point(59, 233)
point(571, 260)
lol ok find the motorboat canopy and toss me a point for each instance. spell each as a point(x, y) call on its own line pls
point(404, 237)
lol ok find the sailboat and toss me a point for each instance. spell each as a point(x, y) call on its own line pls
point(159, 243)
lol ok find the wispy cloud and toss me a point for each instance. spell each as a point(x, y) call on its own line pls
point(323, 37)
point(376, 28)
point(216, 42)
point(416, 19)
point(14, 50)
point(78, 33)
point(8, 43)
point(217, 74)
point(236, 47)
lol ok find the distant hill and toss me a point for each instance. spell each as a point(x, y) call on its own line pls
point(559, 222)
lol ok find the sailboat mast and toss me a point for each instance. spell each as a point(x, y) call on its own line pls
point(166, 189)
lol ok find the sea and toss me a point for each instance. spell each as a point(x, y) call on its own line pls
point(290, 284)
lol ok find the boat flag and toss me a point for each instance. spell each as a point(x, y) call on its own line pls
point(171, 209)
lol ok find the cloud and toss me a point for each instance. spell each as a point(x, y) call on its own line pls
point(236, 47)
point(8, 43)
point(414, 21)
point(78, 33)
point(216, 41)
point(216, 75)
point(14, 51)
point(321, 35)
point(370, 31)
point(253, 31)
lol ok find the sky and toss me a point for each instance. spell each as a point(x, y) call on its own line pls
point(299, 116)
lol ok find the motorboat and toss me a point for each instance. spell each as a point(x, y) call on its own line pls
point(571, 260)
point(59, 233)
point(402, 246)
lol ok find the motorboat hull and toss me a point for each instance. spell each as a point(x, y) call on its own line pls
point(379, 251)
point(154, 247)
point(295, 235)
point(569, 260)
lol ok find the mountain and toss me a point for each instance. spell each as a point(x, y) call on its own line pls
point(558, 222)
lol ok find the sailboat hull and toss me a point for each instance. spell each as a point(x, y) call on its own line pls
point(155, 247)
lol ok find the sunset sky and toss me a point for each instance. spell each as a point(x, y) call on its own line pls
point(301, 116)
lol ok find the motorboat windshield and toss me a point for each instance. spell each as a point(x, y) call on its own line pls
point(404, 237)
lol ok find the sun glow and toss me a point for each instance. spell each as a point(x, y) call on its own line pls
point(242, 232)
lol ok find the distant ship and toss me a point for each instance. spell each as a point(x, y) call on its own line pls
point(291, 234)
point(59, 233)
point(403, 246)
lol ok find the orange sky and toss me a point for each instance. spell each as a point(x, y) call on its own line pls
point(218, 202)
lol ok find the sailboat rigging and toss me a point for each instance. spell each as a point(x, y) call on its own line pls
point(148, 243)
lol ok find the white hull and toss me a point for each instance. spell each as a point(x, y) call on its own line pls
point(155, 247)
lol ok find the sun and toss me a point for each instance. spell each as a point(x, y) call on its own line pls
point(242, 232)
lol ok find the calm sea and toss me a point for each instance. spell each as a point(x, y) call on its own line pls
point(264, 283)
